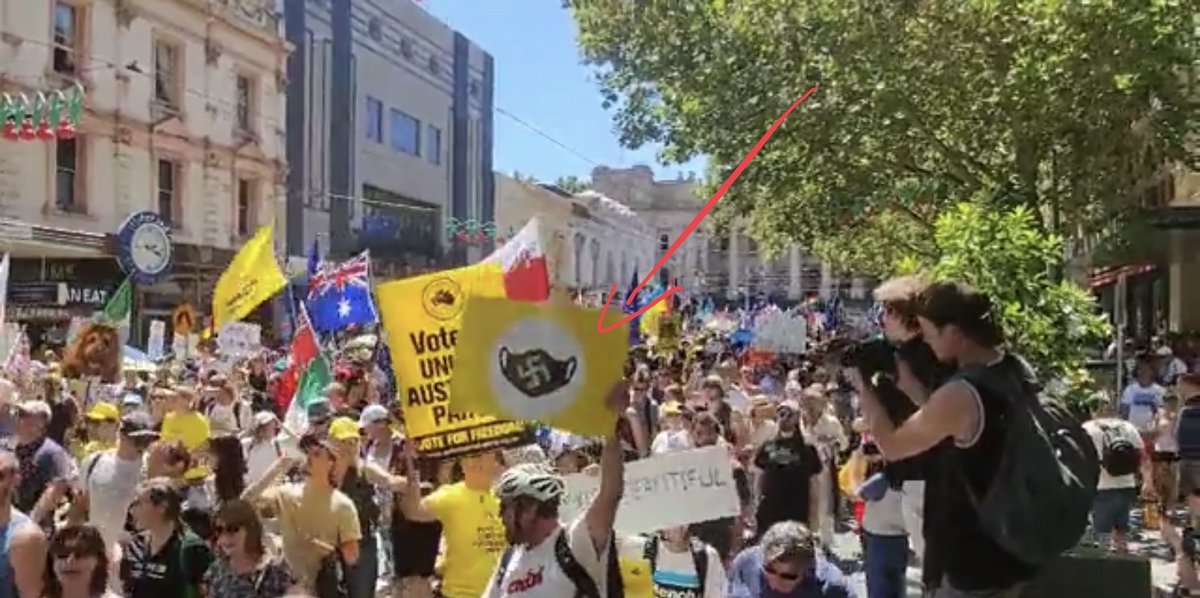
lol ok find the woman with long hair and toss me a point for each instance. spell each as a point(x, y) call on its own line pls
point(229, 468)
point(79, 565)
point(244, 568)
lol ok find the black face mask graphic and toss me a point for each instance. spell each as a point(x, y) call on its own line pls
point(535, 373)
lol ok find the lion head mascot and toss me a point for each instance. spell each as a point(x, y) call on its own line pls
point(96, 351)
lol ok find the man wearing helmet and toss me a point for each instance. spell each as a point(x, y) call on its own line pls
point(546, 557)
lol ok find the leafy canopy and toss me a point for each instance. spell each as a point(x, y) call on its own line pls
point(1061, 106)
point(1005, 254)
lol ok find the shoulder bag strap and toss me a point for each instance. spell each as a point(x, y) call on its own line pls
point(585, 586)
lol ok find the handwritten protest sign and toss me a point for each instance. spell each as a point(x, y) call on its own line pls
point(664, 491)
point(780, 332)
point(423, 318)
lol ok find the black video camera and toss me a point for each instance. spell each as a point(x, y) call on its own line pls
point(875, 359)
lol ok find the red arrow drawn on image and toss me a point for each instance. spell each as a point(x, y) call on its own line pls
point(712, 202)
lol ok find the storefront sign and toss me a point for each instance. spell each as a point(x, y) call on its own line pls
point(56, 293)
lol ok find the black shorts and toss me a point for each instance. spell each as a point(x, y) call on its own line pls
point(414, 548)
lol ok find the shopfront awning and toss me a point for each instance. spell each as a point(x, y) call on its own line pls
point(24, 239)
point(1102, 277)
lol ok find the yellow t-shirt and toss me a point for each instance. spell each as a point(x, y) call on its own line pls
point(473, 535)
point(193, 430)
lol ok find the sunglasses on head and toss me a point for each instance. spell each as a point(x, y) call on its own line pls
point(784, 575)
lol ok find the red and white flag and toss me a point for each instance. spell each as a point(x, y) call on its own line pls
point(523, 261)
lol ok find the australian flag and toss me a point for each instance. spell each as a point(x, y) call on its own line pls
point(339, 295)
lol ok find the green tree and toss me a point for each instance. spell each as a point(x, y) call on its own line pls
point(1006, 254)
point(573, 184)
point(1061, 106)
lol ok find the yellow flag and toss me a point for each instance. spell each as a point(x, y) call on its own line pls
point(422, 318)
point(251, 278)
point(544, 362)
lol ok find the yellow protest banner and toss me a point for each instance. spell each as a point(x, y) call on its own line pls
point(543, 362)
point(422, 318)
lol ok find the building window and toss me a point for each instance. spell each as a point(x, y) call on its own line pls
point(67, 38)
point(167, 84)
point(374, 120)
point(433, 145)
point(664, 242)
point(435, 66)
point(375, 28)
point(406, 133)
point(168, 191)
point(245, 103)
point(474, 88)
point(67, 162)
point(245, 207)
point(406, 49)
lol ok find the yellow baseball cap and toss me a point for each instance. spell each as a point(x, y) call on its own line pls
point(343, 428)
point(104, 412)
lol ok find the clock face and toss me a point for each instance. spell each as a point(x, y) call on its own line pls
point(150, 249)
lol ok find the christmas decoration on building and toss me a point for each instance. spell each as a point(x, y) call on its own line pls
point(471, 232)
point(44, 116)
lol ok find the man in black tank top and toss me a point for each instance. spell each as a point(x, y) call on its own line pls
point(962, 559)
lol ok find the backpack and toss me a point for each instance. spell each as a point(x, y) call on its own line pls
point(585, 586)
point(1039, 499)
point(699, 560)
point(1118, 455)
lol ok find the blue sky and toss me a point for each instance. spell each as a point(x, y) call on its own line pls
point(539, 80)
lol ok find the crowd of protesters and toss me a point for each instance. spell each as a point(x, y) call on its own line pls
point(184, 482)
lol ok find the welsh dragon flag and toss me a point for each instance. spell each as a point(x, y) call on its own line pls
point(308, 373)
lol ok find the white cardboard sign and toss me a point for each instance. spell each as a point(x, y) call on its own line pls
point(780, 332)
point(238, 339)
point(667, 490)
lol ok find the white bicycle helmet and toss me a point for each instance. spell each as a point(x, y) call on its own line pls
point(531, 480)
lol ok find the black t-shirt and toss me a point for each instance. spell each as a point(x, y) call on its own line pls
point(788, 464)
point(63, 415)
point(956, 545)
point(362, 493)
point(177, 569)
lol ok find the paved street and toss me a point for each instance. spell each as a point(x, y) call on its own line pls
point(847, 548)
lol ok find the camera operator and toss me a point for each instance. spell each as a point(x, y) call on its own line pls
point(962, 558)
point(899, 297)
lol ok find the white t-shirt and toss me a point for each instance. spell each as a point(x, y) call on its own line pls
point(674, 573)
point(111, 487)
point(260, 456)
point(885, 517)
point(535, 573)
point(1124, 430)
point(223, 420)
point(671, 440)
point(1144, 403)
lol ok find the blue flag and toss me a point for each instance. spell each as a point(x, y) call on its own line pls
point(630, 307)
point(339, 295)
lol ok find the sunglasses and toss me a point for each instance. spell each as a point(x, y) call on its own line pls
point(784, 575)
point(64, 552)
point(228, 528)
